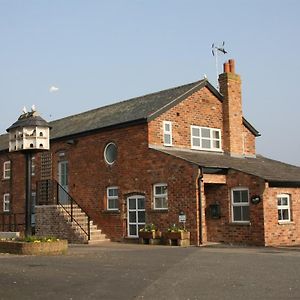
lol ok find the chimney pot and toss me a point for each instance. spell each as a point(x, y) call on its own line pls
point(226, 67)
point(231, 63)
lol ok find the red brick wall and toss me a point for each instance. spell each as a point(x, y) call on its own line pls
point(136, 170)
point(15, 186)
point(201, 109)
point(249, 142)
point(276, 233)
point(223, 229)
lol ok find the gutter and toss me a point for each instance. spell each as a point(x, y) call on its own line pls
point(199, 180)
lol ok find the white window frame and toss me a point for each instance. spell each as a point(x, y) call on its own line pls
point(239, 204)
point(211, 138)
point(112, 198)
point(6, 202)
point(6, 169)
point(160, 196)
point(167, 133)
point(284, 207)
point(33, 166)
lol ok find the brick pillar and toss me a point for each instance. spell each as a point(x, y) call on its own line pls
point(230, 88)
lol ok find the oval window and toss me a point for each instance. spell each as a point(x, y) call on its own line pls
point(110, 153)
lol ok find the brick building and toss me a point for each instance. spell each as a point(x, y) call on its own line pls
point(146, 160)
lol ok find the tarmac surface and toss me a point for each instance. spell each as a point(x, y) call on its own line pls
point(127, 271)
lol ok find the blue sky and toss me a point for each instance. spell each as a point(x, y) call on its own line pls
point(100, 52)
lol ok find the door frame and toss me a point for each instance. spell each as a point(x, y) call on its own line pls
point(137, 223)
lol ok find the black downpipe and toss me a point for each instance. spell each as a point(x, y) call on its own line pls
point(199, 180)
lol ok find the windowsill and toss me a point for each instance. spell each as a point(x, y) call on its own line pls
point(286, 223)
point(111, 212)
point(240, 223)
point(168, 145)
point(208, 150)
point(156, 210)
point(6, 178)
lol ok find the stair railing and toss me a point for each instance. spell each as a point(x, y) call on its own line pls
point(50, 192)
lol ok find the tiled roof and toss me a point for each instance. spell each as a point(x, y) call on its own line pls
point(268, 169)
point(142, 108)
point(139, 108)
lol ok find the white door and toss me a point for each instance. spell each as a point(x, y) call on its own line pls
point(135, 215)
point(63, 181)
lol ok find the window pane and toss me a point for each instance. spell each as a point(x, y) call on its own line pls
point(167, 127)
point(195, 131)
point(113, 204)
point(236, 197)
point(245, 213)
point(158, 190)
point(164, 203)
point(132, 230)
point(216, 134)
point(158, 202)
point(284, 201)
point(132, 217)
point(141, 203)
point(216, 144)
point(205, 132)
point(237, 213)
point(196, 142)
point(244, 196)
point(110, 153)
point(141, 217)
point(167, 139)
point(285, 214)
point(206, 144)
point(132, 204)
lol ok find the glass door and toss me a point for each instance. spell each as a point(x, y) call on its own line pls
point(63, 181)
point(135, 215)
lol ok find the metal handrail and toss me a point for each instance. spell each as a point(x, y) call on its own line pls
point(55, 199)
point(71, 214)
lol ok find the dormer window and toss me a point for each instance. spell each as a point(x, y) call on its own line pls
point(205, 138)
point(167, 133)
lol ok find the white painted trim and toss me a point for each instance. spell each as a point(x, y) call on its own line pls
point(104, 154)
point(167, 132)
point(108, 197)
point(6, 201)
point(284, 207)
point(136, 210)
point(6, 169)
point(239, 205)
point(159, 196)
point(211, 139)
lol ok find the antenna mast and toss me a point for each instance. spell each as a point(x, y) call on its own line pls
point(215, 52)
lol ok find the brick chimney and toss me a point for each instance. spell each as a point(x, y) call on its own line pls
point(230, 88)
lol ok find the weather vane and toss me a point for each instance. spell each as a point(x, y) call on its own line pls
point(215, 51)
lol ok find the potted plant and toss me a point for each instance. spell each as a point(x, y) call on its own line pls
point(33, 245)
point(149, 232)
point(176, 235)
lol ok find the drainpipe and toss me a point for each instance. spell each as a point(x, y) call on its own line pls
point(199, 179)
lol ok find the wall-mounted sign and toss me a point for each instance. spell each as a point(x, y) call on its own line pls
point(255, 199)
point(182, 218)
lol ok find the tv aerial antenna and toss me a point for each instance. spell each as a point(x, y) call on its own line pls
point(216, 50)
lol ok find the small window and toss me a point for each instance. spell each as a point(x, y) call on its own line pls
point(160, 192)
point(112, 198)
point(167, 133)
point(6, 170)
point(41, 134)
point(240, 205)
point(6, 203)
point(284, 208)
point(110, 153)
point(204, 138)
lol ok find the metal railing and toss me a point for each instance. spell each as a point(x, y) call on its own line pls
point(12, 221)
point(50, 192)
